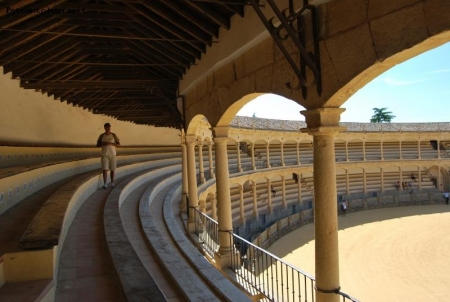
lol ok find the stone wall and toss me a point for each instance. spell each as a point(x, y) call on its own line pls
point(281, 227)
point(284, 125)
point(28, 117)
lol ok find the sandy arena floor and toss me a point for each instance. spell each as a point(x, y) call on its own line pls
point(396, 254)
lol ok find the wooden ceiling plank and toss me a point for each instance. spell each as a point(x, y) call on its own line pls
point(95, 16)
point(9, 19)
point(74, 92)
point(190, 46)
point(173, 72)
point(29, 44)
point(172, 24)
point(101, 84)
point(168, 50)
point(114, 93)
point(110, 8)
point(120, 98)
point(143, 50)
point(97, 23)
point(214, 16)
point(14, 4)
point(24, 68)
point(92, 101)
point(211, 27)
point(51, 70)
point(33, 24)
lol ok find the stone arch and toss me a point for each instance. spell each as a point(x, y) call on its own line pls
point(376, 38)
point(199, 127)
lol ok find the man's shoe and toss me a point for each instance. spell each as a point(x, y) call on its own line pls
point(105, 186)
point(113, 185)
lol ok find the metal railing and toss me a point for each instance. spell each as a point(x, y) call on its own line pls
point(258, 270)
point(207, 230)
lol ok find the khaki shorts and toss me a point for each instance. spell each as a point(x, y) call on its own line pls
point(109, 163)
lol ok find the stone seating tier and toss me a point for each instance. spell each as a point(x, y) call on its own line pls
point(46, 227)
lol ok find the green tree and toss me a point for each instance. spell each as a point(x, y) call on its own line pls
point(381, 116)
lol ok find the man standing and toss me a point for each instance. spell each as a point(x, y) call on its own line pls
point(344, 208)
point(446, 196)
point(108, 141)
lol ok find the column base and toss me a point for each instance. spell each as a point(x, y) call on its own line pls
point(222, 260)
point(190, 226)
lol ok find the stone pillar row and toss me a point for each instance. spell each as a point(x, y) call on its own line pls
point(323, 125)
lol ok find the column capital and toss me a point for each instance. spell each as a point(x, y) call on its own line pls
point(221, 131)
point(190, 139)
point(322, 120)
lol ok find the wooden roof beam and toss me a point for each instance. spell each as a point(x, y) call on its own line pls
point(134, 84)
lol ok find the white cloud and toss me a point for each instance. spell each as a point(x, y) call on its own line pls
point(438, 71)
point(395, 82)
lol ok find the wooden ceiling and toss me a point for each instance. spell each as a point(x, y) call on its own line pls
point(117, 58)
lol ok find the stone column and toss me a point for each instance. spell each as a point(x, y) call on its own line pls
point(382, 180)
point(439, 177)
point(299, 188)
point(238, 157)
point(192, 181)
point(200, 162)
point(364, 150)
point(255, 200)
point(418, 150)
point(210, 158)
point(381, 150)
point(298, 153)
point(269, 196)
point(223, 255)
point(346, 151)
point(364, 181)
point(282, 155)
point(268, 155)
point(420, 179)
point(347, 182)
point(401, 177)
point(202, 206)
point(184, 175)
point(438, 150)
point(283, 192)
point(241, 204)
point(323, 124)
point(253, 157)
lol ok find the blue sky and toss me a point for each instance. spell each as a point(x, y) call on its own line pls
point(417, 90)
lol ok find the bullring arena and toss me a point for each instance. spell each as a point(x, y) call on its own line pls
point(390, 238)
point(396, 254)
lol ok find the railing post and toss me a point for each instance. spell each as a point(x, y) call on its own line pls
point(192, 181)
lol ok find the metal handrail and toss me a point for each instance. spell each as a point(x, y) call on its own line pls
point(258, 269)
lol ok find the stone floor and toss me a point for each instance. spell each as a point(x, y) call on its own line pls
point(86, 272)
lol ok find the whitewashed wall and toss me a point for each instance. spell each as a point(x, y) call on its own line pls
point(30, 117)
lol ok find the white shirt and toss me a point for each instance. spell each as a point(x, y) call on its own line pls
point(109, 150)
